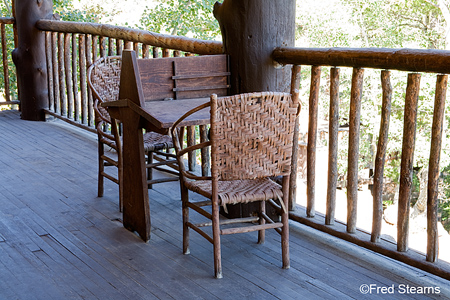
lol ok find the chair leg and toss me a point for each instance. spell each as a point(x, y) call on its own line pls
point(216, 240)
point(101, 169)
point(262, 221)
point(120, 178)
point(150, 170)
point(285, 228)
point(185, 213)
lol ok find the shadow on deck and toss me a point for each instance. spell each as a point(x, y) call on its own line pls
point(59, 241)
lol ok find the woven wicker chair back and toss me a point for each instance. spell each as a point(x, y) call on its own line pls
point(105, 79)
point(252, 135)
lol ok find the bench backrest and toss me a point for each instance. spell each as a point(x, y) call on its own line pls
point(174, 78)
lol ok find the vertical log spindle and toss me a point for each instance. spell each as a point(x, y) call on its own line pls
point(295, 86)
point(110, 46)
point(353, 148)
point(191, 141)
point(5, 63)
point(76, 99)
point(312, 137)
point(68, 73)
point(55, 72)
point(62, 84)
point(119, 47)
point(204, 152)
point(155, 52)
point(433, 170)
point(83, 86)
point(145, 51)
point(48, 54)
point(92, 45)
point(102, 47)
point(333, 131)
point(380, 156)
point(91, 55)
point(406, 168)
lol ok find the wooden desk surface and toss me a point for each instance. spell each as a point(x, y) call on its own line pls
point(165, 113)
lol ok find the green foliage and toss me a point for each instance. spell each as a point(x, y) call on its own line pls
point(192, 18)
point(373, 23)
point(65, 9)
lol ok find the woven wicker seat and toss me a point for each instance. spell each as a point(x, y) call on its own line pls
point(104, 80)
point(251, 140)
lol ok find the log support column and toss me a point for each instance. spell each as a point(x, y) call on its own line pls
point(251, 30)
point(29, 57)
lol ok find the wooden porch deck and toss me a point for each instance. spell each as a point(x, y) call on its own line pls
point(59, 241)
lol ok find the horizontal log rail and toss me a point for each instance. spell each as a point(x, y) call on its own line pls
point(134, 35)
point(5, 20)
point(412, 61)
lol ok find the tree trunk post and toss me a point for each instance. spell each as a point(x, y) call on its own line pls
point(29, 57)
point(251, 30)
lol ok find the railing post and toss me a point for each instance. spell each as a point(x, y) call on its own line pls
point(295, 86)
point(353, 148)
point(433, 170)
point(312, 141)
point(29, 57)
point(380, 157)
point(333, 131)
point(406, 168)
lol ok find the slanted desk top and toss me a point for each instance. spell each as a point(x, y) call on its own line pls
point(162, 114)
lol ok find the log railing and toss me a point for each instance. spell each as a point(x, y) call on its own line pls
point(71, 47)
point(414, 62)
point(8, 90)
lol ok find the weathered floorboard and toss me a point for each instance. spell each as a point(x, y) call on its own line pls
point(59, 241)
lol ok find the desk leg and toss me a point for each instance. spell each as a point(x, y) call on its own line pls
point(136, 210)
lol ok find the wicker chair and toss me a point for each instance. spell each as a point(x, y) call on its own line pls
point(251, 140)
point(103, 80)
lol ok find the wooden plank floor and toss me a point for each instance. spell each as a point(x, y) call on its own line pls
point(59, 241)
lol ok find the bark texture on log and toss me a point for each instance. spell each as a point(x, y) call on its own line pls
point(312, 141)
point(333, 142)
point(353, 148)
point(380, 156)
point(134, 35)
point(29, 57)
point(251, 30)
point(406, 167)
point(433, 174)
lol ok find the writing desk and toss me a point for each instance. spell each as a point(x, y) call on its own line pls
point(156, 116)
point(144, 84)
